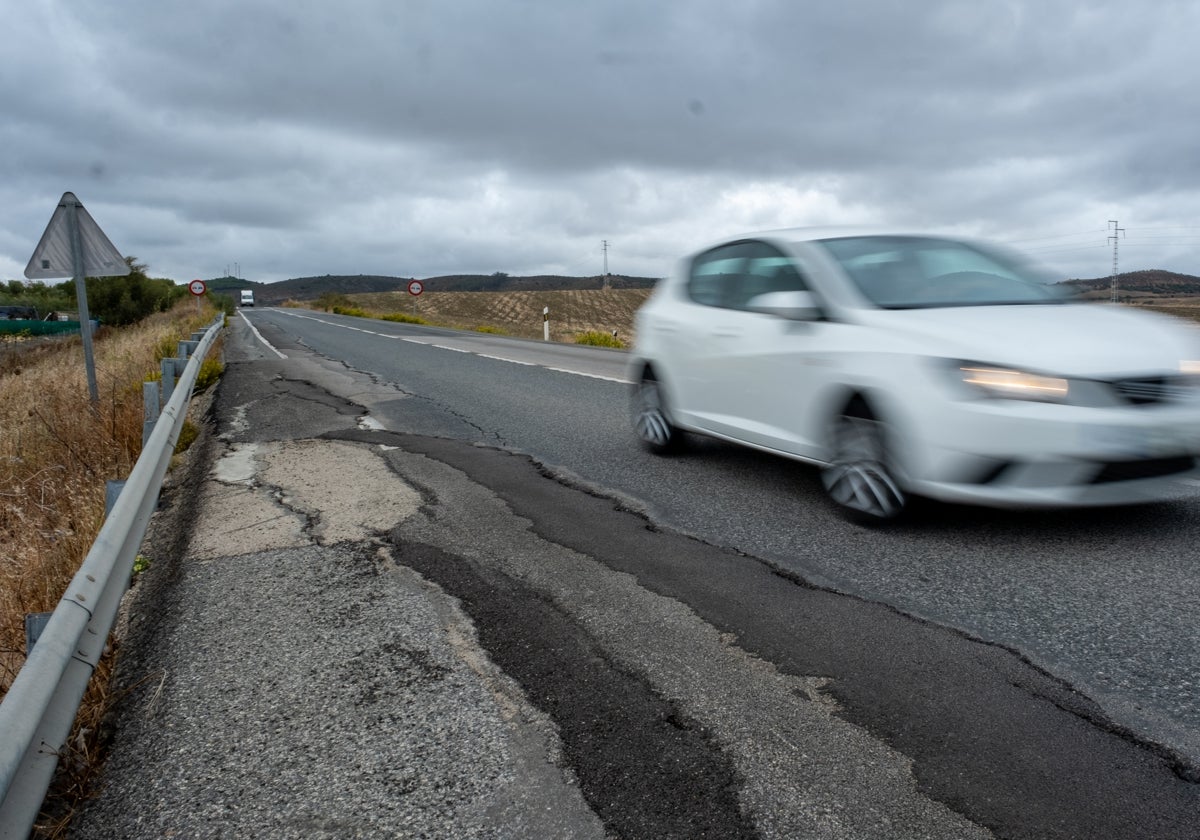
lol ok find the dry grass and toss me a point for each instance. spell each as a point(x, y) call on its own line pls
point(1179, 307)
point(56, 452)
point(518, 313)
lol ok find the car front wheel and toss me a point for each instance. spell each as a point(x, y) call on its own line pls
point(859, 478)
point(651, 419)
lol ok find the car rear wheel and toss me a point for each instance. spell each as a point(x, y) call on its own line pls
point(859, 478)
point(652, 420)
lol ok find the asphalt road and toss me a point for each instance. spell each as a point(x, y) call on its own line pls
point(417, 583)
point(1105, 600)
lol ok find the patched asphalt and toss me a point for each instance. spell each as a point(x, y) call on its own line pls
point(460, 643)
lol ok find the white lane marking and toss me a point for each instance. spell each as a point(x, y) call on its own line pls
point(590, 375)
point(618, 380)
point(254, 330)
point(510, 361)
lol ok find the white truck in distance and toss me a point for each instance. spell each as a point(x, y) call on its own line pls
point(247, 297)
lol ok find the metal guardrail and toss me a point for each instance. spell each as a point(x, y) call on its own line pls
point(40, 706)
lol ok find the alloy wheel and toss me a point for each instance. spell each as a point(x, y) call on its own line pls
point(651, 421)
point(858, 478)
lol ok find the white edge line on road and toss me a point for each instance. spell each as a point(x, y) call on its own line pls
point(254, 330)
point(510, 361)
point(615, 379)
point(590, 375)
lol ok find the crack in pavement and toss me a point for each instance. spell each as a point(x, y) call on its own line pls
point(1004, 756)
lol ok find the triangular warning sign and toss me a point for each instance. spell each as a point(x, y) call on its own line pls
point(53, 257)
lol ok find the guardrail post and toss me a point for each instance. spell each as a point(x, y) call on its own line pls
point(35, 623)
point(186, 349)
point(112, 492)
point(168, 379)
point(149, 410)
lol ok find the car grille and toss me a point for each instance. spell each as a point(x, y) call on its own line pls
point(1149, 468)
point(1150, 390)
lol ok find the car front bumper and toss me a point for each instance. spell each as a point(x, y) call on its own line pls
point(1009, 453)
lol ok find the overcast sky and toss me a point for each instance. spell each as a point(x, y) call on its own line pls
point(410, 138)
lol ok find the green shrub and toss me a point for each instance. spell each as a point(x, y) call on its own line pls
point(187, 436)
point(223, 303)
point(333, 300)
point(166, 348)
point(210, 371)
point(487, 328)
point(120, 301)
point(401, 318)
point(353, 311)
point(598, 338)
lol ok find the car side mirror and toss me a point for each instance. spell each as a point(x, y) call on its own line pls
point(794, 306)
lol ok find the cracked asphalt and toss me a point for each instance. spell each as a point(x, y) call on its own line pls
point(352, 632)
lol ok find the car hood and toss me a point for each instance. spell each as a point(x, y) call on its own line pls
point(1074, 339)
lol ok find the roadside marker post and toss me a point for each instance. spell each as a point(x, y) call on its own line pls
point(545, 323)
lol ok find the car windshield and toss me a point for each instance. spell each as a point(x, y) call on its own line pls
point(912, 272)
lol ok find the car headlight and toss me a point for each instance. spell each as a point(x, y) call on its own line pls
point(1005, 384)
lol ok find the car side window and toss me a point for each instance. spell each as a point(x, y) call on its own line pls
point(733, 275)
point(716, 274)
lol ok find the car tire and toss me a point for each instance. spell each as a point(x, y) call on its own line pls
point(652, 418)
point(860, 478)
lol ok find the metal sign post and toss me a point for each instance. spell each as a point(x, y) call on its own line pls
point(85, 318)
point(197, 288)
point(415, 287)
point(74, 246)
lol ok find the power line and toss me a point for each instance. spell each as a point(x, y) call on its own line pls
point(1062, 249)
point(1191, 242)
point(1053, 236)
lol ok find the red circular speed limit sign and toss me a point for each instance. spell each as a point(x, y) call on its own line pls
point(196, 287)
point(415, 287)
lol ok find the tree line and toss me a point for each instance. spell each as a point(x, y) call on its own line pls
point(115, 301)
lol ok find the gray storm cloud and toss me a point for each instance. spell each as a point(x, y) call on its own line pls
point(420, 138)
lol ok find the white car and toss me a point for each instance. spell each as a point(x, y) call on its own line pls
point(905, 364)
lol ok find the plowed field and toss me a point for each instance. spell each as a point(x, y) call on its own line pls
point(518, 313)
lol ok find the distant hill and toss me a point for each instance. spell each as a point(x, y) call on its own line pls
point(1153, 282)
point(311, 288)
point(500, 282)
point(225, 285)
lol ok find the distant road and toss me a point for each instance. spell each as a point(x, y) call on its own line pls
point(572, 358)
